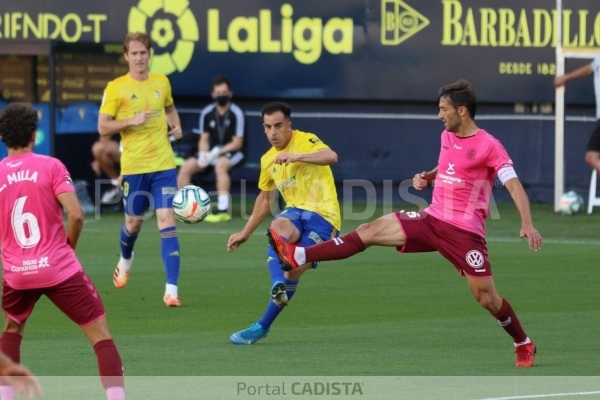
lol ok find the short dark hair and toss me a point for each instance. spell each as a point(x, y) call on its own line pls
point(219, 80)
point(136, 37)
point(275, 106)
point(460, 94)
point(18, 123)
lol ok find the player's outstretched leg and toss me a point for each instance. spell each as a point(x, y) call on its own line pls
point(249, 336)
point(284, 249)
point(524, 347)
point(281, 292)
point(172, 263)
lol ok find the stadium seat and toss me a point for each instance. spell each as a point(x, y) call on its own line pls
point(79, 118)
point(593, 200)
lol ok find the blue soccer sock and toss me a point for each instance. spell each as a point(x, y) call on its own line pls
point(127, 241)
point(169, 249)
point(274, 266)
point(272, 310)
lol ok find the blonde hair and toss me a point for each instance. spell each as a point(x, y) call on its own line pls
point(136, 37)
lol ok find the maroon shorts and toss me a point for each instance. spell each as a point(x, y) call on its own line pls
point(76, 297)
point(466, 250)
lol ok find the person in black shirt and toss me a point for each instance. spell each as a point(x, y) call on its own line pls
point(221, 145)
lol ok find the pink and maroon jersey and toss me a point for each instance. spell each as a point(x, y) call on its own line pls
point(467, 168)
point(35, 252)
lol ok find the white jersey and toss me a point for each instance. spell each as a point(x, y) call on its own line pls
point(596, 68)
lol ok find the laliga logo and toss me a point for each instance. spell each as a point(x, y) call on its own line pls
point(399, 21)
point(164, 20)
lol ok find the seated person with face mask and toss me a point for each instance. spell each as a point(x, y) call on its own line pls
point(220, 146)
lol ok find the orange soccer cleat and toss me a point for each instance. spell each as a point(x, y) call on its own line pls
point(525, 355)
point(284, 249)
point(121, 275)
point(171, 301)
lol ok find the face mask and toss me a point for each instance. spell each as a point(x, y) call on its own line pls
point(222, 100)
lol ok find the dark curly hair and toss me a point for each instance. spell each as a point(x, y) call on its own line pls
point(18, 123)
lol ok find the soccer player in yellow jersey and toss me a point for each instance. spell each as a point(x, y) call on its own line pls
point(298, 166)
point(140, 107)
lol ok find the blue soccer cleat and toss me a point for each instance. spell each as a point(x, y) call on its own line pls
point(250, 335)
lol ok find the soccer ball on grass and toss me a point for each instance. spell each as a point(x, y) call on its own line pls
point(191, 204)
point(571, 203)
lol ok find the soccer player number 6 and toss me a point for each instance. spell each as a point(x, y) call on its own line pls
point(25, 225)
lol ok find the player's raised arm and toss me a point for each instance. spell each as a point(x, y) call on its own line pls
point(262, 207)
point(319, 157)
point(422, 179)
point(578, 73)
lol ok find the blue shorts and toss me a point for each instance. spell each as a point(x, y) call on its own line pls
point(312, 226)
point(154, 189)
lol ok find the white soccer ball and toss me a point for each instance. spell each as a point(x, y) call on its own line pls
point(571, 203)
point(191, 204)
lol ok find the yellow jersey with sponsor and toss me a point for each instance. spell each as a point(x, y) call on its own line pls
point(146, 147)
point(306, 186)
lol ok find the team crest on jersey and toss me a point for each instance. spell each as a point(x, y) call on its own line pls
point(471, 153)
point(157, 94)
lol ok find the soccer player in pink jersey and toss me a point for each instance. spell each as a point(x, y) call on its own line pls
point(38, 256)
point(469, 161)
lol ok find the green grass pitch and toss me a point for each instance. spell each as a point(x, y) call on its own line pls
point(378, 313)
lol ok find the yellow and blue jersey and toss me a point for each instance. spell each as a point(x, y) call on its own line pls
point(146, 147)
point(306, 186)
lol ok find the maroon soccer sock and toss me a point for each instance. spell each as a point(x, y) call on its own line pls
point(508, 320)
point(336, 249)
point(10, 344)
point(110, 365)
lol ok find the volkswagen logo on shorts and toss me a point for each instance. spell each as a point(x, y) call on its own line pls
point(474, 258)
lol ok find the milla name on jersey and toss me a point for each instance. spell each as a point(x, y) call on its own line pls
point(19, 176)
